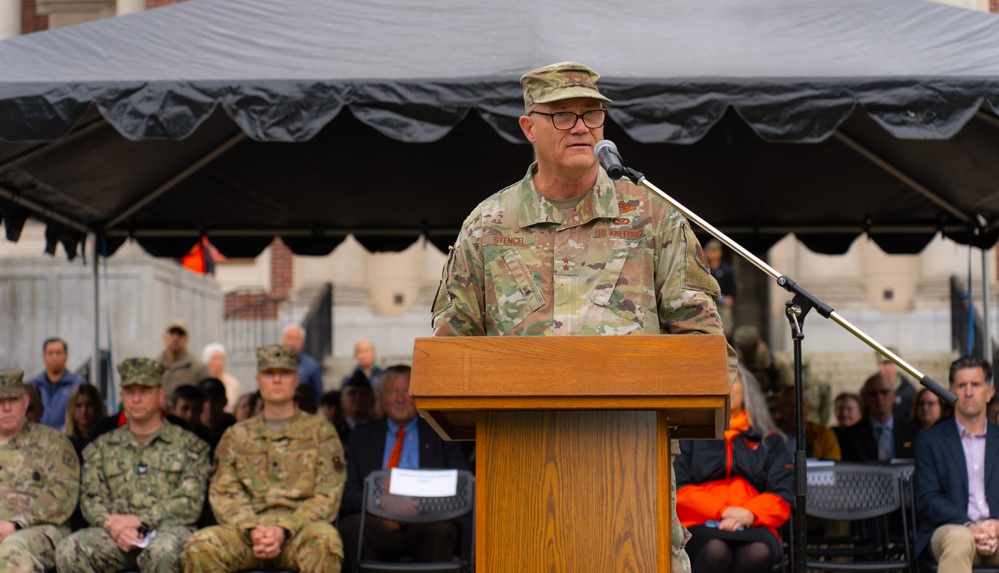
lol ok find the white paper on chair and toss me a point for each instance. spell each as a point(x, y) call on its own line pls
point(424, 483)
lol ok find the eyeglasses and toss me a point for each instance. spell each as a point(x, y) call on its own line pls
point(566, 120)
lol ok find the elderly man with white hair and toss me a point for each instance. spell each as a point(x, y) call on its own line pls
point(213, 355)
point(310, 372)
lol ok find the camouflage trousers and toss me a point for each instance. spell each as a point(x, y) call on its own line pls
point(92, 550)
point(317, 548)
point(679, 535)
point(31, 550)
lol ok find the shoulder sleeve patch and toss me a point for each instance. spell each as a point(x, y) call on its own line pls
point(698, 273)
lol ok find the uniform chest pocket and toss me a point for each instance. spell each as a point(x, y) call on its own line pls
point(251, 469)
point(165, 471)
point(511, 294)
point(117, 474)
point(624, 294)
point(294, 471)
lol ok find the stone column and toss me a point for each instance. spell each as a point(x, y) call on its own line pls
point(10, 18)
point(129, 6)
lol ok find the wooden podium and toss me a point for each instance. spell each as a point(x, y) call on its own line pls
point(573, 453)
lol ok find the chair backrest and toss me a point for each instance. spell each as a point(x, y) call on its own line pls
point(850, 491)
point(378, 501)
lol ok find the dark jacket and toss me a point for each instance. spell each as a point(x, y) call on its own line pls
point(857, 442)
point(941, 478)
point(761, 461)
point(367, 449)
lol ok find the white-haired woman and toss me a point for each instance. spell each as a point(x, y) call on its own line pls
point(214, 357)
point(733, 494)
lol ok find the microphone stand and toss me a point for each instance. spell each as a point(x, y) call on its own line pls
point(796, 310)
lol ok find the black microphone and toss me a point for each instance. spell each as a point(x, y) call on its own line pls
point(609, 158)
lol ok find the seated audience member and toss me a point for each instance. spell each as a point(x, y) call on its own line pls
point(276, 485)
point(993, 411)
point(356, 401)
point(214, 357)
point(364, 354)
point(733, 495)
point(305, 399)
point(772, 374)
point(820, 441)
point(401, 440)
point(879, 435)
point(39, 481)
point(213, 417)
point(927, 409)
point(181, 366)
point(848, 409)
point(83, 415)
point(185, 403)
point(147, 476)
point(956, 478)
point(242, 409)
point(905, 392)
point(329, 405)
point(310, 371)
point(55, 382)
point(36, 409)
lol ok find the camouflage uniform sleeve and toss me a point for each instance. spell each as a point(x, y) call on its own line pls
point(183, 505)
point(62, 485)
point(95, 496)
point(229, 499)
point(458, 306)
point(684, 285)
point(325, 502)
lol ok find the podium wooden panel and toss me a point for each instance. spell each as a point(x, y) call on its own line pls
point(573, 452)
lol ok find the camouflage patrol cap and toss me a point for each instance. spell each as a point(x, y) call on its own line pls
point(745, 334)
point(276, 356)
point(11, 383)
point(564, 80)
point(141, 371)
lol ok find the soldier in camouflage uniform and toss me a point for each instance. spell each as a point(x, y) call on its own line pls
point(569, 251)
point(143, 478)
point(39, 483)
point(276, 485)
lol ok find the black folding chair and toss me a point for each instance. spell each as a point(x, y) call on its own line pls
point(414, 509)
point(852, 492)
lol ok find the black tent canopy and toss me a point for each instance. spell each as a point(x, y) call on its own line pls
point(311, 119)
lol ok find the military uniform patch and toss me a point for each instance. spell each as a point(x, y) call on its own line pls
point(338, 464)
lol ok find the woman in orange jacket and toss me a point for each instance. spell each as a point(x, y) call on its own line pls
point(734, 494)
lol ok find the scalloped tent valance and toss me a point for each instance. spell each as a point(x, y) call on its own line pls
point(311, 119)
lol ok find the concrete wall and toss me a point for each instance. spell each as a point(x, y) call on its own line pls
point(46, 296)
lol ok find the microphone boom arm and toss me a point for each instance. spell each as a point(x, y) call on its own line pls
point(791, 286)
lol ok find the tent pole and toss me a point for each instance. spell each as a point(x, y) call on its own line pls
point(987, 347)
point(96, 370)
point(42, 211)
point(989, 119)
point(49, 147)
point(176, 179)
point(900, 175)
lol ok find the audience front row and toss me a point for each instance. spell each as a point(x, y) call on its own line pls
point(278, 479)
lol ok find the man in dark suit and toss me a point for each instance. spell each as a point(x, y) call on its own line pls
point(957, 476)
point(401, 440)
point(879, 435)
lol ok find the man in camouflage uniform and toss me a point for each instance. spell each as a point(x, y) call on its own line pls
point(39, 483)
point(569, 251)
point(276, 485)
point(147, 476)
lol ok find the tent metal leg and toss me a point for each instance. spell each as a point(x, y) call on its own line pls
point(987, 347)
point(96, 369)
